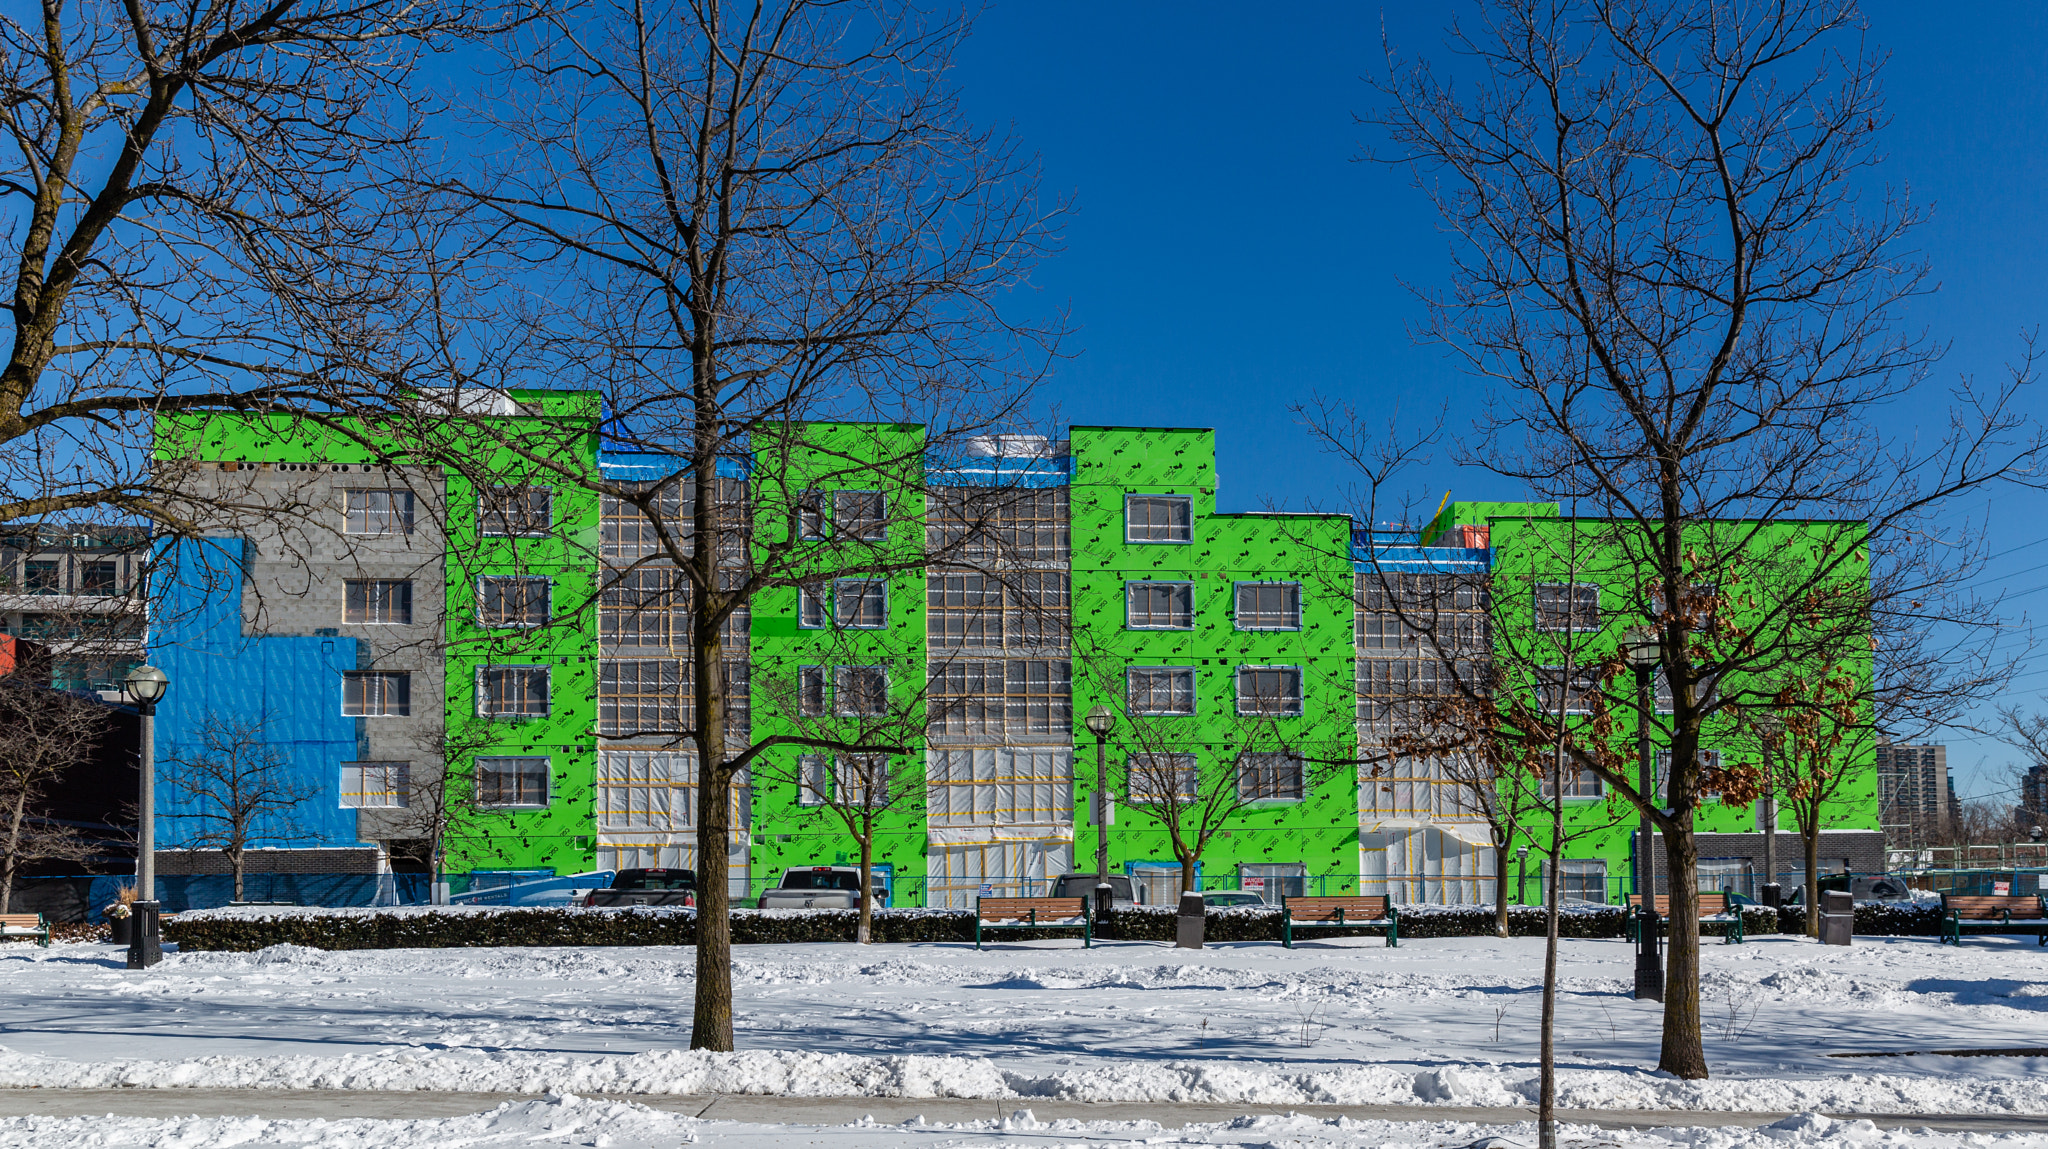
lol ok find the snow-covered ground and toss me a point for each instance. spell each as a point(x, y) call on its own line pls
point(1449, 1021)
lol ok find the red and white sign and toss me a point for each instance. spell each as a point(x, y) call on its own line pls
point(1254, 883)
point(2001, 888)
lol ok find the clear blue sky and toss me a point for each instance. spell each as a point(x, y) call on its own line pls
point(1228, 258)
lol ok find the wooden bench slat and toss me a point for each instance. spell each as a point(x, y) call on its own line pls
point(1374, 911)
point(1033, 913)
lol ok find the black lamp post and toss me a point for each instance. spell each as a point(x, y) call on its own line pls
point(146, 685)
point(1100, 721)
point(1643, 654)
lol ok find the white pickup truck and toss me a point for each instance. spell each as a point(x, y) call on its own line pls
point(815, 888)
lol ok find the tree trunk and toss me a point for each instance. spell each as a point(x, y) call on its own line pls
point(1500, 887)
point(1812, 843)
point(1546, 1104)
point(1683, 1054)
point(13, 850)
point(1187, 875)
point(864, 933)
point(711, 1027)
point(235, 867)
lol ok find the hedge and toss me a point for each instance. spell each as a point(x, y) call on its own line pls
point(428, 928)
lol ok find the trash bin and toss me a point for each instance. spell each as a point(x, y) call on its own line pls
point(1187, 933)
point(1837, 917)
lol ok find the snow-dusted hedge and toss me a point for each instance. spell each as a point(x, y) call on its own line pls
point(443, 927)
point(1877, 919)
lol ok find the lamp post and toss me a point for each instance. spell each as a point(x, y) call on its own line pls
point(1643, 653)
point(1522, 875)
point(1769, 729)
point(146, 685)
point(1100, 721)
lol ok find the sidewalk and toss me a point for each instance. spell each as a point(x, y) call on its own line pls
point(279, 1104)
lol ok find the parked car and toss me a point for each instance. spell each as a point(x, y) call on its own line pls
point(647, 888)
point(817, 888)
point(1224, 899)
point(1881, 888)
point(1122, 896)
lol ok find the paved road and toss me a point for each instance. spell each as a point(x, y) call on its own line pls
point(291, 1103)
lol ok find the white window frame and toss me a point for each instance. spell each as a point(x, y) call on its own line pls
point(504, 529)
point(812, 523)
point(1291, 707)
point(484, 583)
point(388, 679)
point(400, 511)
point(872, 528)
point(813, 692)
point(1175, 708)
point(814, 783)
point(1263, 769)
point(849, 786)
point(547, 686)
point(547, 781)
point(1132, 587)
point(1131, 529)
point(1580, 776)
point(375, 597)
point(393, 784)
point(810, 608)
point(839, 597)
point(1238, 612)
point(1584, 679)
point(842, 678)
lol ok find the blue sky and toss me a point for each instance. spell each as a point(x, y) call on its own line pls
point(1228, 258)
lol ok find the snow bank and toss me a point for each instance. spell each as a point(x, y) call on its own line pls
point(804, 1074)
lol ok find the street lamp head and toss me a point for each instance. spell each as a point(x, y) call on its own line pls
point(1100, 721)
point(1522, 853)
point(146, 684)
point(1641, 648)
point(2036, 833)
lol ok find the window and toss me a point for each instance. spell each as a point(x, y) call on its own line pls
point(1157, 690)
point(1660, 784)
point(627, 532)
point(810, 691)
point(378, 512)
point(860, 604)
point(1163, 778)
point(506, 600)
point(1002, 524)
point(1579, 783)
point(99, 576)
point(1275, 777)
point(1019, 609)
point(1273, 691)
point(1585, 881)
point(861, 780)
point(810, 607)
point(1396, 611)
point(1159, 605)
point(1268, 606)
point(1403, 690)
point(646, 607)
point(638, 696)
point(647, 790)
point(507, 512)
point(375, 785)
point(810, 515)
point(376, 694)
point(1010, 698)
point(1567, 606)
point(1159, 519)
point(859, 515)
point(377, 601)
point(1574, 696)
point(511, 691)
point(512, 782)
point(813, 785)
point(860, 691)
point(43, 576)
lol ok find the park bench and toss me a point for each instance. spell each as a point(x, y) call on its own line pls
point(25, 926)
point(1993, 914)
point(1712, 907)
point(1343, 912)
point(1033, 914)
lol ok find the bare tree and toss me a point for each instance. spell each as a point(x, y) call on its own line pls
point(1660, 269)
point(44, 734)
point(195, 221)
point(1821, 753)
point(737, 225)
point(235, 787)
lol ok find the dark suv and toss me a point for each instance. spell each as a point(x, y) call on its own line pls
point(647, 888)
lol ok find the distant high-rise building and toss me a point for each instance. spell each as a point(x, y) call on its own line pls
point(2034, 793)
point(1913, 786)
